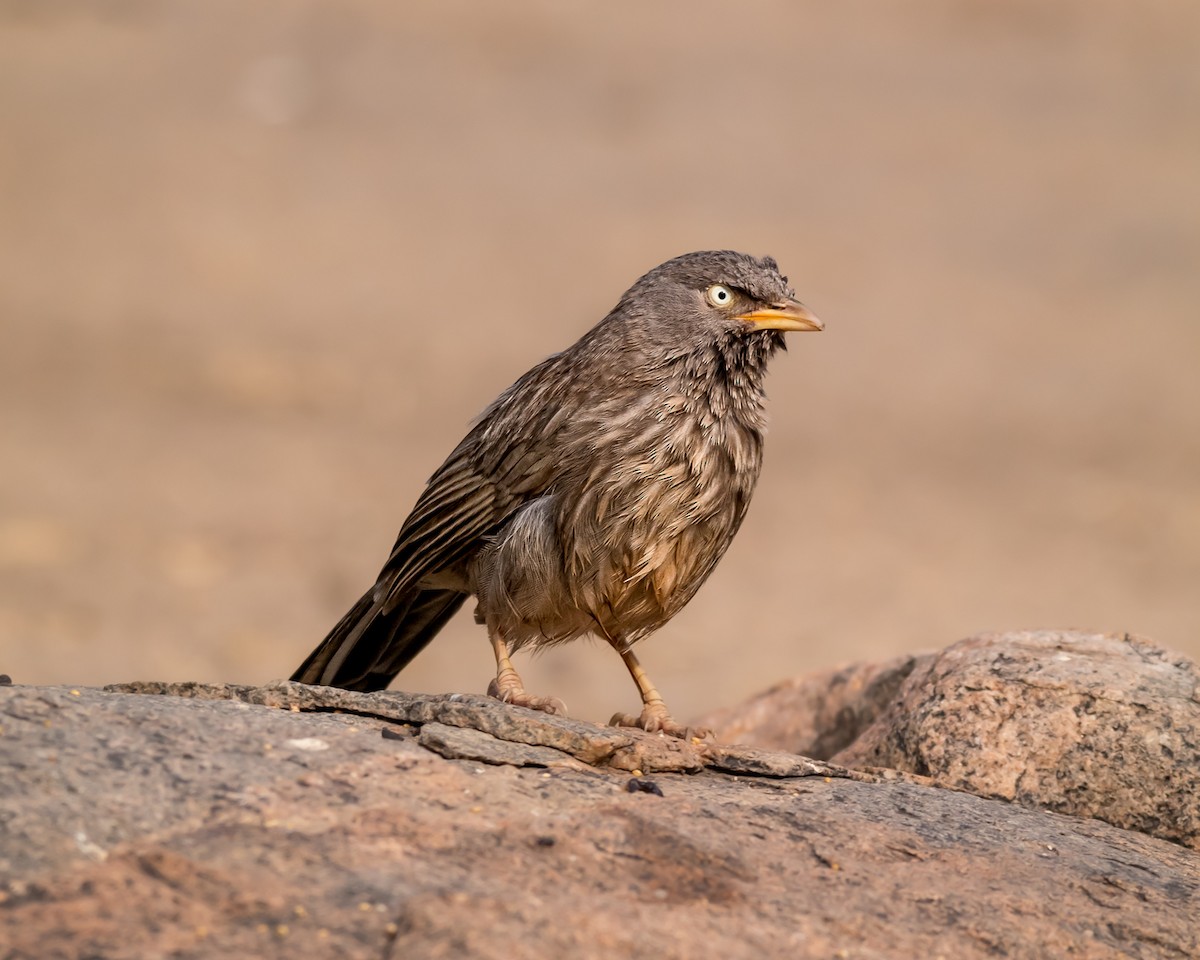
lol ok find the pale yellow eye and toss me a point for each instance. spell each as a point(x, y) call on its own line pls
point(719, 295)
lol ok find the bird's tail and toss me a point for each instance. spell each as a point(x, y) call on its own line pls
point(370, 645)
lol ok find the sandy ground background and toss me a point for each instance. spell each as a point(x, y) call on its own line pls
point(260, 264)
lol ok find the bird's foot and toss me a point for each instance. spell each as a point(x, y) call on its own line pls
point(514, 693)
point(656, 719)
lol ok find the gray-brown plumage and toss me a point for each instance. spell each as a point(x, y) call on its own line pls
point(597, 493)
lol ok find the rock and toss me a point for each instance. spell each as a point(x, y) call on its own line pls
point(214, 825)
point(818, 714)
point(1092, 725)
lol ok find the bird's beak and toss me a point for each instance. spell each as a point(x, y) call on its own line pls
point(790, 315)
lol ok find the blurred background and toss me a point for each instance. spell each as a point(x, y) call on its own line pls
point(260, 265)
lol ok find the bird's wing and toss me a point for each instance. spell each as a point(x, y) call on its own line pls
point(457, 510)
point(510, 457)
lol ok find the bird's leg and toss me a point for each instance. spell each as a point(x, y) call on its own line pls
point(655, 717)
point(507, 685)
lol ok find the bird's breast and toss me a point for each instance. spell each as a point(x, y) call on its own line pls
point(658, 509)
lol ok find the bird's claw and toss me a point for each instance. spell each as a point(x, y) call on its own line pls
point(517, 696)
point(654, 718)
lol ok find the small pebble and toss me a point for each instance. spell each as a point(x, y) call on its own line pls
point(636, 785)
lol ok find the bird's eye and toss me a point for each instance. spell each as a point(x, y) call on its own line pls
point(719, 295)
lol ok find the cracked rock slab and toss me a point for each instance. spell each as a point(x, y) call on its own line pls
point(464, 743)
point(496, 730)
point(589, 743)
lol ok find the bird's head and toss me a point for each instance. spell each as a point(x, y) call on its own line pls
point(713, 296)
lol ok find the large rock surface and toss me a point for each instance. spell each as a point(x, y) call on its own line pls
point(291, 821)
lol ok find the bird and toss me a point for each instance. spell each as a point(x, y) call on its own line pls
point(596, 494)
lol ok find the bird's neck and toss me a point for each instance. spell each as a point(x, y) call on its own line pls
point(725, 378)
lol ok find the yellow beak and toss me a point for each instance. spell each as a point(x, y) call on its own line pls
point(791, 315)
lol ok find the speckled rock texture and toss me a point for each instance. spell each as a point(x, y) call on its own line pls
point(1091, 725)
point(195, 821)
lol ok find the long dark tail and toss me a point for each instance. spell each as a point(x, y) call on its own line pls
point(368, 647)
